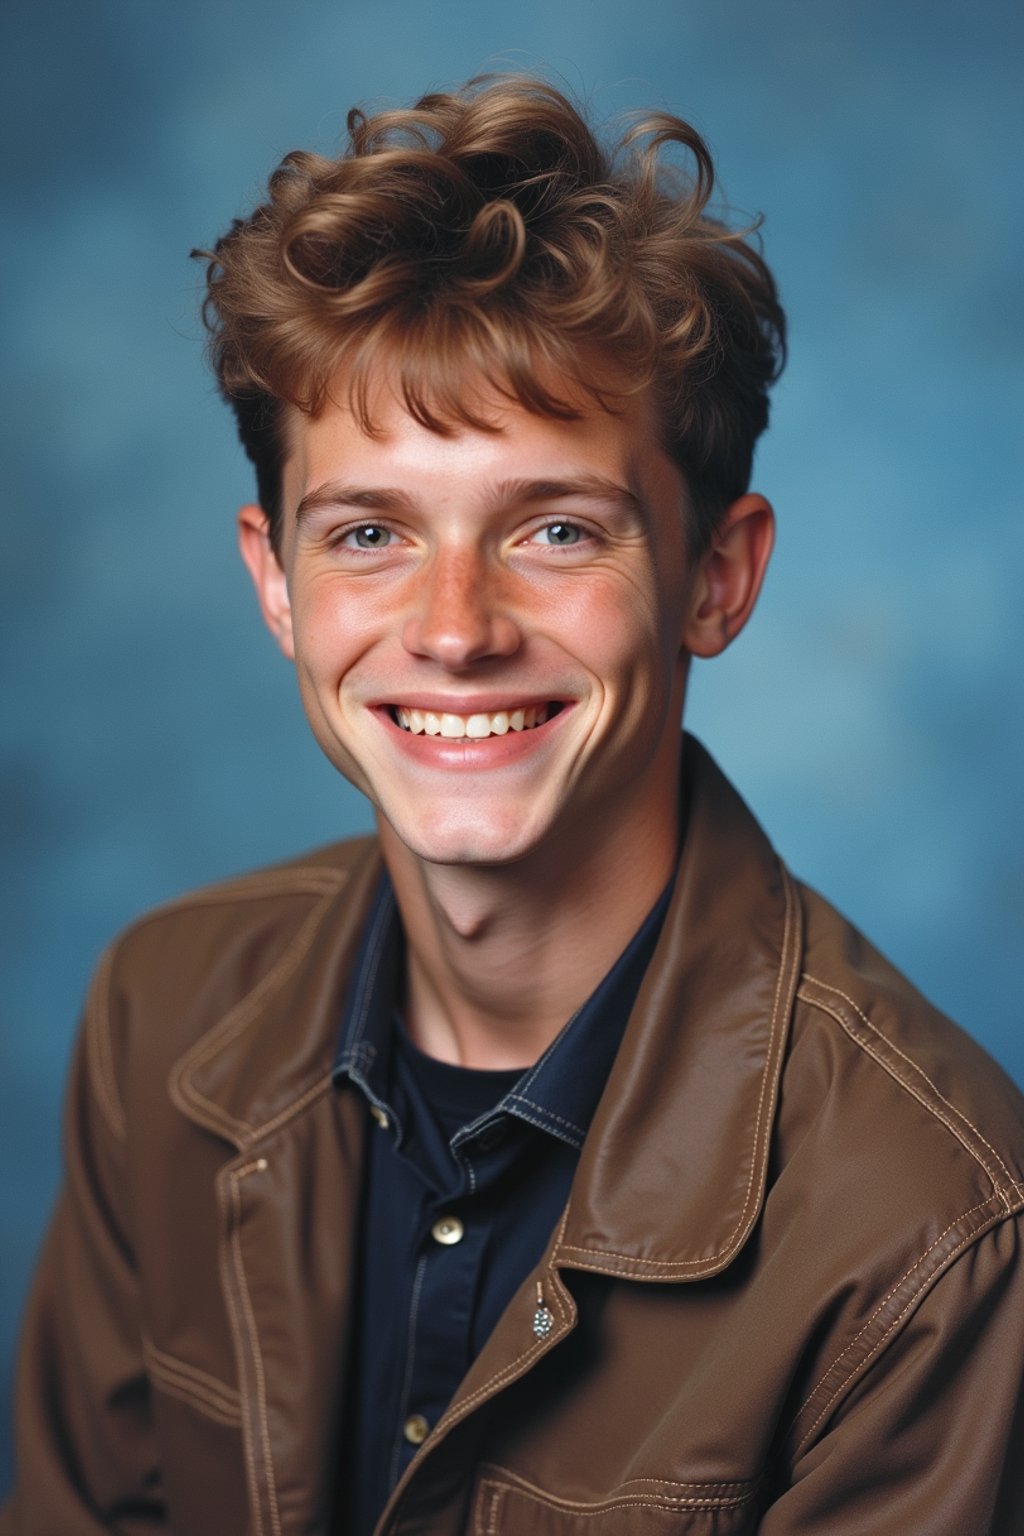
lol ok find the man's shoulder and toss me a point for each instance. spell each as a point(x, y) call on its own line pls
point(178, 970)
point(913, 1098)
point(274, 897)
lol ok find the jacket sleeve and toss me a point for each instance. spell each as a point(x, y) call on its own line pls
point(931, 1439)
point(85, 1450)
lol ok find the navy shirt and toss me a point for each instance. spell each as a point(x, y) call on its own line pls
point(467, 1173)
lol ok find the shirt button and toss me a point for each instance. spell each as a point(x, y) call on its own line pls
point(447, 1230)
point(379, 1115)
point(415, 1429)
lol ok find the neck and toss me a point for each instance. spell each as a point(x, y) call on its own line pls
point(499, 957)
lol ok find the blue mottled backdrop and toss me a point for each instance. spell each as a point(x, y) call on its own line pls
point(151, 737)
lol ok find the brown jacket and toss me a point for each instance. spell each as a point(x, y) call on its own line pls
point(786, 1291)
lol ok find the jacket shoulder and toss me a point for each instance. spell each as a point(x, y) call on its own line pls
point(176, 971)
point(276, 896)
point(925, 1093)
point(316, 872)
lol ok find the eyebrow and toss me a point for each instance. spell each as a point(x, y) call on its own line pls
point(590, 487)
point(335, 493)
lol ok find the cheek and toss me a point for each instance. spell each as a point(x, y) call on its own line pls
point(619, 625)
point(332, 628)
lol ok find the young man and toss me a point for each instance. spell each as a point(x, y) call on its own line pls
point(553, 1163)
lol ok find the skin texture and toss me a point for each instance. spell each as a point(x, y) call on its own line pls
point(542, 562)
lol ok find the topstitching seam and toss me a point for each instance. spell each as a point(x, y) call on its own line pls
point(254, 1343)
point(182, 1089)
point(608, 1506)
point(847, 1025)
point(512, 1482)
point(315, 1091)
point(862, 1364)
point(749, 1483)
point(186, 1391)
point(246, 888)
point(921, 1073)
point(234, 1322)
point(206, 1388)
point(540, 1114)
point(677, 1265)
point(983, 1205)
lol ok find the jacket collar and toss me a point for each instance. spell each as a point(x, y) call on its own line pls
point(274, 1048)
point(672, 1175)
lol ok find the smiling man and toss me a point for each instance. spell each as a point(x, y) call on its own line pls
point(498, 660)
point(552, 1162)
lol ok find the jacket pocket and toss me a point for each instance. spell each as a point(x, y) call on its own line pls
point(508, 1505)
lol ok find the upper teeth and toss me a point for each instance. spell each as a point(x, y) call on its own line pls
point(419, 721)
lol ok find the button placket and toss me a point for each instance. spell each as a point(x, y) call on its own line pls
point(439, 1335)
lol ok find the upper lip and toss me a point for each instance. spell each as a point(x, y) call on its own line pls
point(469, 704)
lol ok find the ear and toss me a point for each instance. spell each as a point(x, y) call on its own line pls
point(729, 576)
point(267, 575)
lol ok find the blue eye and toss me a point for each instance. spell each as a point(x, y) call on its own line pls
point(560, 534)
point(369, 536)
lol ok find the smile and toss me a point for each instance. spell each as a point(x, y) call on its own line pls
point(420, 722)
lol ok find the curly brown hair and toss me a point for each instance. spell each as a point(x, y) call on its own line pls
point(486, 233)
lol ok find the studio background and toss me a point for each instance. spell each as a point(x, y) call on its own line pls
point(152, 739)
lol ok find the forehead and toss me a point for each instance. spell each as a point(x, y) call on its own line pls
point(389, 446)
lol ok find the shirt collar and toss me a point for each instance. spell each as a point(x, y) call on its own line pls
point(363, 1040)
point(560, 1092)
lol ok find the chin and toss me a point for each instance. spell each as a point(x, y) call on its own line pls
point(464, 840)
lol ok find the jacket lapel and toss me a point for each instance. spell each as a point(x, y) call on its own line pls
point(277, 1042)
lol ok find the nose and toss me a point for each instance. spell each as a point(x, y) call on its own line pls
point(460, 614)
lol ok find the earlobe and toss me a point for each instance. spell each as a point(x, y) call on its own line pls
point(730, 576)
point(267, 575)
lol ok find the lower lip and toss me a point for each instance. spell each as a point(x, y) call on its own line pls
point(473, 752)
